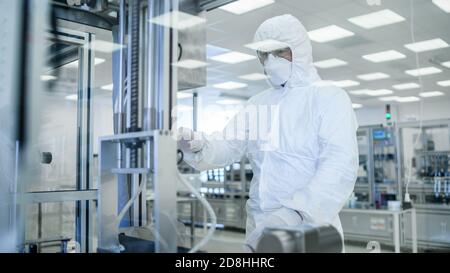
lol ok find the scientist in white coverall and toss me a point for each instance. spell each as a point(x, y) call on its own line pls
point(305, 168)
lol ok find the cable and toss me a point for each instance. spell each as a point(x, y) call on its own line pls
point(413, 39)
point(208, 207)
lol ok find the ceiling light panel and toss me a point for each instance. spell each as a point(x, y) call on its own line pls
point(230, 85)
point(406, 86)
point(427, 45)
point(407, 99)
point(267, 45)
point(424, 71)
point(359, 92)
point(242, 6)
point(372, 93)
point(373, 76)
point(178, 20)
point(384, 56)
point(233, 57)
point(446, 64)
point(104, 46)
point(329, 33)
point(379, 92)
point(345, 83)
point(431, 94)
point(444, 83)
point(108, 87)
point(443, 5)
point(330, 63)
point(46, 78)
point(72, 97)
point(190, 64)
point(75, 64)
point(377, 19)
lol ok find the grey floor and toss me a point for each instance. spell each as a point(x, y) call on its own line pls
point(225, 241)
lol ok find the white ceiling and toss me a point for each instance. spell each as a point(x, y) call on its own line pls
point(234, 31)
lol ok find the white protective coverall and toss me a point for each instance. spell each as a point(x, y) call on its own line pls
point(308, 172)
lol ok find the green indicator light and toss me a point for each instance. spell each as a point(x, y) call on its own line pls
point(388, 116)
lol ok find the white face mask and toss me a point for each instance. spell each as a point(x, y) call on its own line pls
point(278, 69)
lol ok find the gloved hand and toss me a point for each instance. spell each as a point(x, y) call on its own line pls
point(190, 141)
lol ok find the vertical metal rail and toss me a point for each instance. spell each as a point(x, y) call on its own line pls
point(121, 79)
point(161, 153)
point(398, 167)
point(140, 205)
point(195, 112)
point(84, 155)
point(371, 168)
point(119, 75)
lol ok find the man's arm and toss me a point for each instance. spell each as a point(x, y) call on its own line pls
point(220, 149)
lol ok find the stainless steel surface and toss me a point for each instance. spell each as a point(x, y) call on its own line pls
point(108, 228)
point(367, 225)
point(164, 187)
point(383, 226)
point(433, 227)
point(192, 46)
point(304, 239)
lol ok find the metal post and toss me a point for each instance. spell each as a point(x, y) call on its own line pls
point(108, 228)
point(84, 145)
point(371, 168)
point(119, 92)
point(414, 230)
point(195, 111)
point(161, 153)
point(193, 212)
point(396, 232)
point(121, 78)
point(398, 167)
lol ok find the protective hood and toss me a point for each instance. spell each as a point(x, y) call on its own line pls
point(288, 30)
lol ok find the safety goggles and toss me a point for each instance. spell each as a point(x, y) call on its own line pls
point(281, 53)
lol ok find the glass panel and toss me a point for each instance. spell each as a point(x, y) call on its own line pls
point(363, 148)
point(362, 192)
point(51, 224)
point(385, 171)
point(427, 163)
point(52, 227)
point(56, 152)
